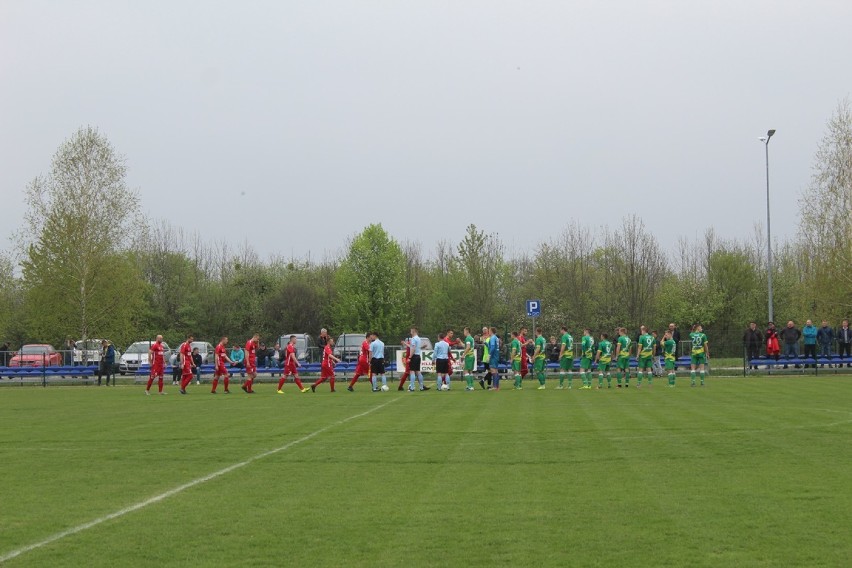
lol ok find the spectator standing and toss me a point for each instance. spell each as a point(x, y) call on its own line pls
point(657, 368)
point(825, 337)
point(68, 352)
point(107, 364)
point(196, 365)
point(809, 335)
point(773, 347)
point(675, 333)
point(844, 341)
point(4, 354)
point(174, 361)
point(552, 350)
point(751, 342)
point(790, 338)
point(322, 340)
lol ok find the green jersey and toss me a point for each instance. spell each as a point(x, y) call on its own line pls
point(670, 349)
point(587, 347)
point(568, 344)
point(699, 340)
point(539, 345)
point(605, 351)
point(646, 345)
point(468, 343)
point(516, 350)
point(624, 342)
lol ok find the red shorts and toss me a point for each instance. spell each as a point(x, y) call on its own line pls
point(221, 371)
point(157, 370)
point(290, 369)
point(363, 367)
point(326, 372)
point(251, 368)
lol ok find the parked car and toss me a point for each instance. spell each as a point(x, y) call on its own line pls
point(348, 345)
point(137, 354)
point(205, 350)
point(307, 350)
point(36, 355)
point(90, 352)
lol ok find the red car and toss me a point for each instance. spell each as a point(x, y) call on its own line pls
point(36, 355)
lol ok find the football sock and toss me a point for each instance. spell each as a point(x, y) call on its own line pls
point(226, 381)
point(702, 377)
point(608, 380)
point(298, 382)
point(692, 376)
point(215, 384)
point(542, 378)
point(281, 382)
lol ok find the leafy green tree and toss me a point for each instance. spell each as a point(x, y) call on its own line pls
point(826, 220)
point(79, 226)
point(371, 285)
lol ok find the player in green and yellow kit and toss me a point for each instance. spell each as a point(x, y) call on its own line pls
point(566, 357)
point(603, 359)
point(469, 358)
point(645, 353)
point(515, 357)
point(539, 359)
point(622, 357)
point(587, 354)
point(670, 356)
point(700, 352)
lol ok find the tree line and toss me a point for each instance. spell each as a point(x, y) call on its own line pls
point(82, 267)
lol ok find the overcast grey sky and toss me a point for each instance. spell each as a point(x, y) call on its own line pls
point(426, 116)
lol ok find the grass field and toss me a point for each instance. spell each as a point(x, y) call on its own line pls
point(743, 472)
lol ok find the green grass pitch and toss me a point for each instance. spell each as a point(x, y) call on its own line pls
point(743, 472)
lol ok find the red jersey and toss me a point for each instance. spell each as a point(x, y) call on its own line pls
point(220, 355)
point(290, 356)
point(251, 353)
point(326, 356)
point(186, 351)
point(157, 352)
point(365, 351)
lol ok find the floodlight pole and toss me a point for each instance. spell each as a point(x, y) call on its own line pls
point(768, 227)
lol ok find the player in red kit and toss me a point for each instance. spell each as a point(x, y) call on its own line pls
point(291, 367)
point(158, 365)
point(327, 368)
point(251, 363)
point(220, 357)
point(363, 366)
point(406, 360)
point(186, 373)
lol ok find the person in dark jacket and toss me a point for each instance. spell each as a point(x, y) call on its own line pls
point(844, 341)
point(552, 350)
point(825, 337)
point(196, 364)
point(752, 340)
point(4, 354)
point(107, 364)
point(790, 339)
point(675, 333)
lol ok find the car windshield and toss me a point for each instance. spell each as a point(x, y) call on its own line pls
point(140, 347)
point(350, 340)
point(90, 345)
point(34, 349)
point(202, 346)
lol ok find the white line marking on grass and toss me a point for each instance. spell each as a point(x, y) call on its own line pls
point(181, 488)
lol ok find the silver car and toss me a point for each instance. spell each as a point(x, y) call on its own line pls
point(137, 354)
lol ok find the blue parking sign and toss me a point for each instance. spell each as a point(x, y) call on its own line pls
point(533, 308)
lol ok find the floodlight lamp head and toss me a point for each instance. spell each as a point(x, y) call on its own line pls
point(770, 133)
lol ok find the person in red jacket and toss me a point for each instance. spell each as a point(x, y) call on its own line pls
point(406, 360)
point(363, 366)
point(291, 367)
point(773, 347)
point(186, 373)
point(220, 357)
point(327, 367)
point(158, 364)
